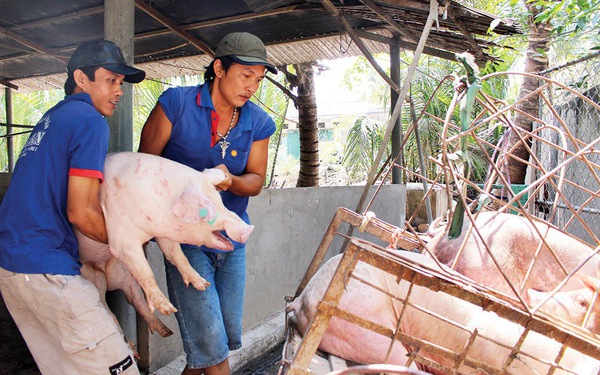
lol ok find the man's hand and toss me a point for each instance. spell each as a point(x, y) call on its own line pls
point(226, 183)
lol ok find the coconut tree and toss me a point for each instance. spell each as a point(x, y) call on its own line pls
point(569, 25)
point(302, 79)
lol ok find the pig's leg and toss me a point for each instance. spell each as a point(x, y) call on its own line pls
point(132, 256)
point(174, 254)
point(95, 274)
point(119, 277)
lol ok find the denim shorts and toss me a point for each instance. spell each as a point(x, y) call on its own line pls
point(210, 321)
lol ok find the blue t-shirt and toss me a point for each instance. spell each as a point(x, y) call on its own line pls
point(35, 234)
point(191, 111)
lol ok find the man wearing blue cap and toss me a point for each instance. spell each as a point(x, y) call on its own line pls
point(53, 189)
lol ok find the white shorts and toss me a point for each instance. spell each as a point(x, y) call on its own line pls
point(66, 327)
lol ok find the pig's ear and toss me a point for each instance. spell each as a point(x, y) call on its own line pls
point(534, 297)
point(588, 282)
point(193, 206)
point(214, 176)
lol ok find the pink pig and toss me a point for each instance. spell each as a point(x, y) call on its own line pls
point(513, 241)
point(374, 303)
point(145, 196)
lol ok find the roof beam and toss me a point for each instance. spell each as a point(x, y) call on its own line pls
point(141, 4)
point(258, 6)
point(8, 84)
point(407, 45)
point(387, 18)
point(464, 30)
point(67, 16)
point(32, 45)
point(221, 21)
point(335, 13)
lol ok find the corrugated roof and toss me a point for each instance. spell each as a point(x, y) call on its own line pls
point(176, 37)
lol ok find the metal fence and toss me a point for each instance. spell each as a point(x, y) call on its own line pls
point(562, 183)
point(578, 117)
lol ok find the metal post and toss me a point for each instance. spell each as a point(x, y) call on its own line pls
point(9, 129)
point(397, 131)
point(119, 20)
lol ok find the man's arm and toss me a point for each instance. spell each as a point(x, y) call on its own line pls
point(156, 132)
point(83, 207)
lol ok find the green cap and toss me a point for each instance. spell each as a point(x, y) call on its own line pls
point(245, 49)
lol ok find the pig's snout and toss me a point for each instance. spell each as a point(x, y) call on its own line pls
point(238, 231)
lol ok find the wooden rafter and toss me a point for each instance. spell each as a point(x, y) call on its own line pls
point(387, 18)
point(462, 27)
point(406, 45)
point(26, 42)
point(141, 4)
point(335, 13)
point(58, 19)
point(8, 84)
point(220, 21)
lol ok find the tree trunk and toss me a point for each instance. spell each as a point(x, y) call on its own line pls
point(307, 127)
point(536, 60)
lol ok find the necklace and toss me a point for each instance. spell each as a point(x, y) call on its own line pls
point(223, 141)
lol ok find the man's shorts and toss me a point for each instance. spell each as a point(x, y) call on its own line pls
point(210, 321)
point(66, 327)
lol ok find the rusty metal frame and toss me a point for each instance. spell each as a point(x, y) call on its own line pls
point(372, 225)
point(364, 251)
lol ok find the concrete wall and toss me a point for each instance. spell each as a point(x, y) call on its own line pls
point(290, 224)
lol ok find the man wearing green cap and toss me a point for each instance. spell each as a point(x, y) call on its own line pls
point(215, 125)
point(53, 189)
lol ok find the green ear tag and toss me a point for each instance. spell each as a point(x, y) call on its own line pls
point(203, 212)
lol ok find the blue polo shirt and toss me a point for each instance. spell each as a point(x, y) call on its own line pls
point(35, 234)
point(191, 111)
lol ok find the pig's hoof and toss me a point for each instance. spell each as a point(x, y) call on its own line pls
point(198, 282)
point(167, 309)
point(162, 304)
point(164, 331)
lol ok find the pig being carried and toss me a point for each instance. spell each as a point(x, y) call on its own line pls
point(145, 196)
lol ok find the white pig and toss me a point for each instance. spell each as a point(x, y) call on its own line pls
point(145, 196)
point(112, 275)
point(513, 241)
point(354, 343)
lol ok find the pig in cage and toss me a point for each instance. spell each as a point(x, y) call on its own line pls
point(507, 283)
point(387, 306)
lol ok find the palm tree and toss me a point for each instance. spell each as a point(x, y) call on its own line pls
point(364, 139)
point(536, 61)
point(302, 78)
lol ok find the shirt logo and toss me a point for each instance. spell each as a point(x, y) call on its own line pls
point(121, 366)
point(35, 139)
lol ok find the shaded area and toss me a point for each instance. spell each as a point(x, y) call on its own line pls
point(16, 358)
point(266, 364)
